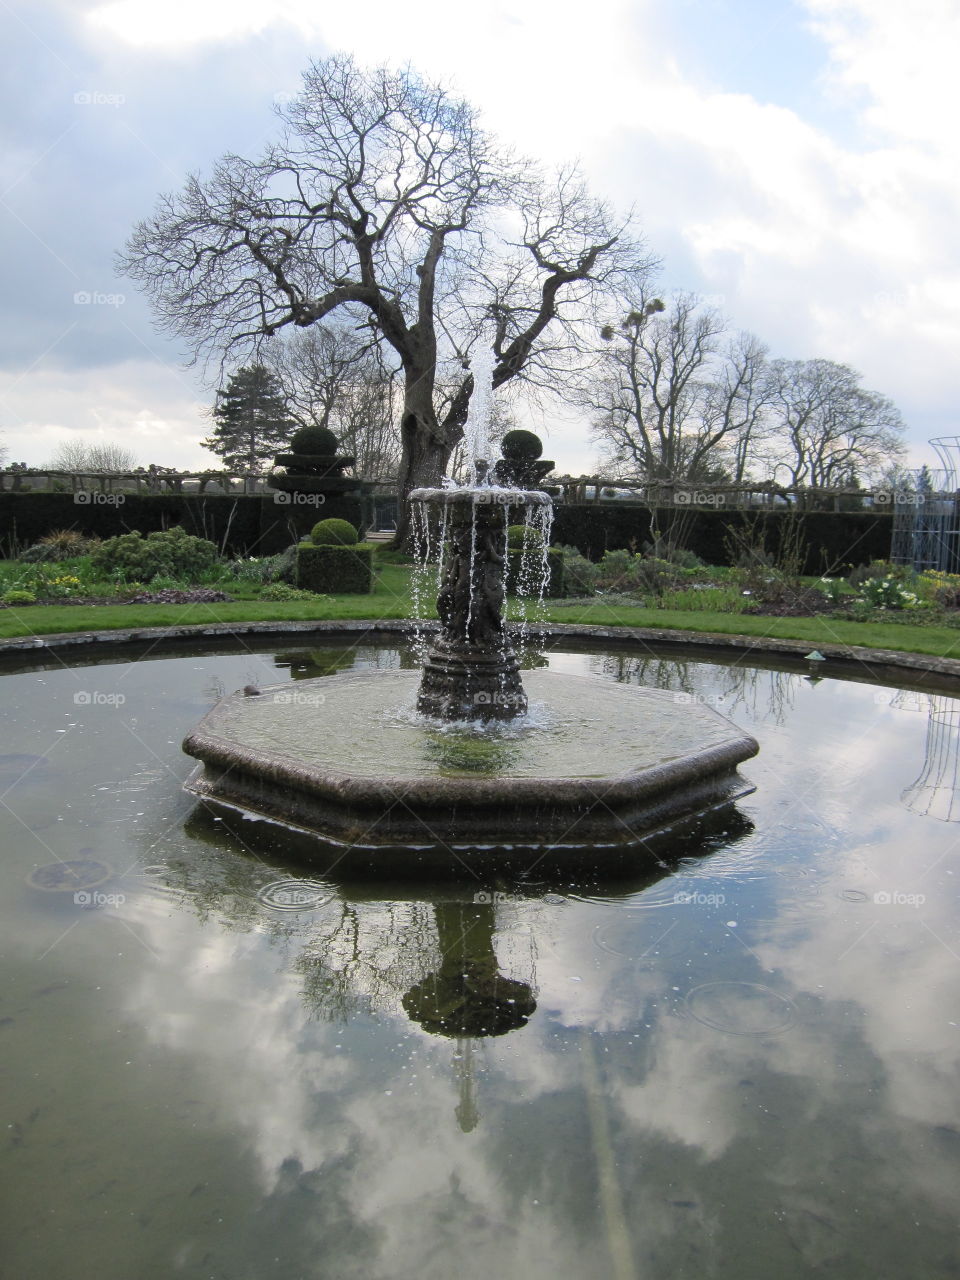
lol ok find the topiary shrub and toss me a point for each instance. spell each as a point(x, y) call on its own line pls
point(335, 570)
point(521, 444)
point(333, 533)
point(519, 575)
point(173, 553)
point(524, 537)
point(317, 442)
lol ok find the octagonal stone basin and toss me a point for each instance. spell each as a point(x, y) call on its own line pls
point(347, 758)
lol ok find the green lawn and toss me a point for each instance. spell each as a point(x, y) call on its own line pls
point(684, 611)
point(391, 599)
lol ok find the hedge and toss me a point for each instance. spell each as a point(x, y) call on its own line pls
point(554, 586)
point(240, 524)
point(833, 540)
point(333, 570)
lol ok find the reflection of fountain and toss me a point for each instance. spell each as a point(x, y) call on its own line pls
point(467, 995)
point(591, 765)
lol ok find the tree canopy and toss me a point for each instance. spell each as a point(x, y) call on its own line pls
point(385, 199)
point(252, 422)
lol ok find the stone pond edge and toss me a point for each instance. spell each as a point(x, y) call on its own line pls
point(869, 664)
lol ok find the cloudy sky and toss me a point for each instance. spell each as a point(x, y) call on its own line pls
point(797, 163)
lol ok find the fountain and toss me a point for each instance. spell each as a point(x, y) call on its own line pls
point(466, 757)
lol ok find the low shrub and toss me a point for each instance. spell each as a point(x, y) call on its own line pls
point(173, 553)
point(579, 573)
point(887, 593)
point(281, 591)
point(15, 596)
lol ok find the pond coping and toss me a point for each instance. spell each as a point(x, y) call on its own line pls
point(872, 664)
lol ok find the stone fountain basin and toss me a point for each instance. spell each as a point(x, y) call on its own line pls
point(346, 757)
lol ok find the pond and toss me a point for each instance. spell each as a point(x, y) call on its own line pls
point(739, 1059)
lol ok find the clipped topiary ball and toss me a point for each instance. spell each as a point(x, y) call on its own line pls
point(521, 445)
point(336, 533)
point(317, 442)
point(523, 537)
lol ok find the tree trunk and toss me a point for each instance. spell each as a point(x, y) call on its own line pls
point(426, 450)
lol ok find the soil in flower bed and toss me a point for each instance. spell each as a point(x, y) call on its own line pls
point(199, 595)
point(806, 603)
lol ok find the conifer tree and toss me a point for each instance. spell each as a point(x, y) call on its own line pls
point(252, 420)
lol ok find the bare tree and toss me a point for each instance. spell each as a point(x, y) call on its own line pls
point(667, 402)
point(384, 199)
point(829, 430)
point(106, 455)
point(337, 376)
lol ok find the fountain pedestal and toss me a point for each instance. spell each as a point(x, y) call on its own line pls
point(471, 671)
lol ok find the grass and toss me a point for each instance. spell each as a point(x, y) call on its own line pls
point(707, 611)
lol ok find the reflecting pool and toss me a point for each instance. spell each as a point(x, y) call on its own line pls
point(736, 1059)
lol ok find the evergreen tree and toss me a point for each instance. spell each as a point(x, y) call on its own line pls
point(252, 420)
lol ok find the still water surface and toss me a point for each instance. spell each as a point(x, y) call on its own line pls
point(740, 1062)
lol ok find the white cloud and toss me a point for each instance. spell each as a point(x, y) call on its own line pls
point(827, 237)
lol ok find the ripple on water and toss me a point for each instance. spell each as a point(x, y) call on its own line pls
point(741, 1008)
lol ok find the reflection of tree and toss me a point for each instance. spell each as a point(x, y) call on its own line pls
point(934, 793)
point(327, 660)
point(762, 693)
